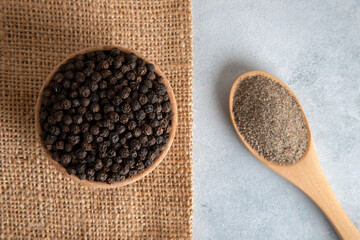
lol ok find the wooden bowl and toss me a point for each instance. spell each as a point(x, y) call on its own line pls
point(127, 181)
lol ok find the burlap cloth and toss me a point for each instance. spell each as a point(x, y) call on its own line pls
point(36, 201)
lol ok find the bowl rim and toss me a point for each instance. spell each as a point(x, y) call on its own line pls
point(126, 181)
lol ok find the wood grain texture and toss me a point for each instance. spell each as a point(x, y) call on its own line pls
point(307, 174)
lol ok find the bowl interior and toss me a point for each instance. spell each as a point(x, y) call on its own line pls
point(126, 181)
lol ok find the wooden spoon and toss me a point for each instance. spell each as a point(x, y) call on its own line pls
point(127, 181)
point(307, 174)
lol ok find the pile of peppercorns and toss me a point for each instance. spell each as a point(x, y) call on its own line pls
point(105, 115)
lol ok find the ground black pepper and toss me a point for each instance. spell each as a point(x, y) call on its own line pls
point(270, 120)
point(99, 112)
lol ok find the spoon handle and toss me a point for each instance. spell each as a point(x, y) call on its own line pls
point(309, 177)
point(329, 205)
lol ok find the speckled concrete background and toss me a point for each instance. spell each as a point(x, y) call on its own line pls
point(314, 47)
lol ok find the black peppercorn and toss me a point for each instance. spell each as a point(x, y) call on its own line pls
point(147, 130)
point(113, 116)
point(120, 129)
point(131, 125)
point(68, 147)
point(81, 168)
point(71, 170)
point(97, 116)
point(118, 62)
point(79, 77)
point(136, 132)
point(59, 145)
point(132, 173)
point(90, 171)
point(65, 159)
point(151, 76)
point(141, 70)
point(117, 100)
point(47, 92)
point(69, 75)
point(124, 118)
point(102, 94)
point(125, 92)
point(166, 107)
point(98, 164)
point(160, 89)
point(143, 140)
point(67, 119)
point(66, 104)
point(95, 130)
point(114, 137)
point(135, 105)
point(104, 64)
point(159, 116)
point(80, 153)
point(85, 102)
point(58, 116)
point(111, 153)
point(88, 72)
point(157, 108)
point(51, 120)
point(143, 99)
point(109, 108)
point(132, 65)
point(131, 57)
point(114, 52)
point(140, 115)
point(88, 138)
point(124, 68)
point(143, 89)
point(110, 94)
point(54, 130)
point(150, 67)
point(75, 103)
point(104, 132)
point(112, 80)
point(50, 139)
point(152, 97)
point(84, 91)
point(130, 76)
point(79, 65)
point(101, 176)
point(77, 119)
point(74, 139)
point(58, 77)
point(125, 108)
point(148, 163)
point(89, 116)
point(125, 170)
point(94, 107)
point(86, 146)
point(152, 140)
point(85, 127)
point(103, 85)
point(75, 129)
point(65, 128)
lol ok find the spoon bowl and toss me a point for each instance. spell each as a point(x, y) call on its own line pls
point(306, 174)
point(127, 181)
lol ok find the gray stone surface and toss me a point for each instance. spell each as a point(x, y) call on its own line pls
point(314, 47)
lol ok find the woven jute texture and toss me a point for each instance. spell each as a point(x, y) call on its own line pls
point(36, 201)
